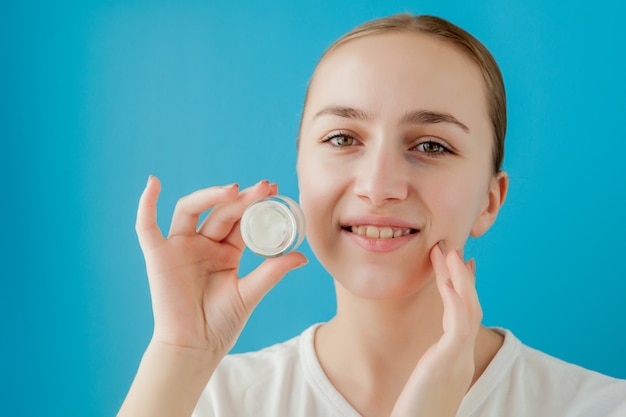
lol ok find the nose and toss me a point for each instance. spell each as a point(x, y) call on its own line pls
point(382, 177)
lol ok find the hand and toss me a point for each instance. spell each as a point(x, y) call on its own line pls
point(444, 373)
point(198, 300)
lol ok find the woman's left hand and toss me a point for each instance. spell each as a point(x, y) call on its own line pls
point(444, 374)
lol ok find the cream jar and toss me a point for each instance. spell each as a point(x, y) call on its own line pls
point(272, 226)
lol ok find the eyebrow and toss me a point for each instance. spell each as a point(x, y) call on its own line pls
point(343, 111)
point(431, 117)
point(416, 117)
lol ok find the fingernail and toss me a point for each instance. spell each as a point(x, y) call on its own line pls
point(442, 247)
point(229, 186)
point(472, 265)
point(263, 182)
point(149, 178)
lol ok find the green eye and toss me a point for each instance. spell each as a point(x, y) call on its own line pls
point(341, 140)
point(431, 148)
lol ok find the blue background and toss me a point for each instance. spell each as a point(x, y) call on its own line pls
point(95, 96)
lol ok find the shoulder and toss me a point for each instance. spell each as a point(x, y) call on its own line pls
point(246, 370)
point(536, 384)
point(277, 380)
point(583, 391)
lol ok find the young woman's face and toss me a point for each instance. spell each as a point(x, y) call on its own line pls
point(395, 155)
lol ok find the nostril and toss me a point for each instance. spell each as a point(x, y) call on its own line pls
point(380, 189)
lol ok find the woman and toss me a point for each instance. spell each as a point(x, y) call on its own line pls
point(400, 149)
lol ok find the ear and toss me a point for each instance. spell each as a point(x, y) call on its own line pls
point(497, 194)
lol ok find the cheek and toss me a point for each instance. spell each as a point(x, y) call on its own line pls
point(320, 182)
point(315, 199)
point(455, 204)
point(310, 188)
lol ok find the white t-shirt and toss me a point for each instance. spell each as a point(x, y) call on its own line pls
point(287, 380)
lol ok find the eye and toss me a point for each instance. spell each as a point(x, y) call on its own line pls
point(340, 140)
point(432, 148)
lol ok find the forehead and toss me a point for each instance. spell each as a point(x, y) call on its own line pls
point(386, 73)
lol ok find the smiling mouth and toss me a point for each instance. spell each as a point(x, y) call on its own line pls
point(383, 232)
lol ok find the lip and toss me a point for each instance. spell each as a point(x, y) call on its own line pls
point(374, 245)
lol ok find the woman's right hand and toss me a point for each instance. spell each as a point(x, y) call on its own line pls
point(198, 300)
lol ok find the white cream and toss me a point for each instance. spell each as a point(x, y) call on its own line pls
point(272, 226)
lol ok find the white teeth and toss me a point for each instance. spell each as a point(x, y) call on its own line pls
point(376, 232)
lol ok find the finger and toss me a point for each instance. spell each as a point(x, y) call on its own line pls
point(471, 265)
point(221, 221)
point(456, 316)
point(146, 226)
point(189, 208)
point(234, 238)
point(464, 284)
point(437, 258)
point(456, 321)
point(273, 189)
point(258, 283)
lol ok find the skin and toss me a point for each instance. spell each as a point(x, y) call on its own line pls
point(199, 303)
point(369, 166)
point(406, 339)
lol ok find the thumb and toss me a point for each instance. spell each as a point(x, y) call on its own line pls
point(260, 281)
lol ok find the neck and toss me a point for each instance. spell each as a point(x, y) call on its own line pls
point(369, 349)
point(380, 329)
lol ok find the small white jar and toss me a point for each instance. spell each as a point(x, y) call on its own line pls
point(272, 226)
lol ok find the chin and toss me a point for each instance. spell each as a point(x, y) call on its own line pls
point(378, 283)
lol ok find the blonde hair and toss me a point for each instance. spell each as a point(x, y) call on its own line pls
point(454, 35)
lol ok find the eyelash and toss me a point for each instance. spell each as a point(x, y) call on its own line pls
point(329, 139)
point(443, 149)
